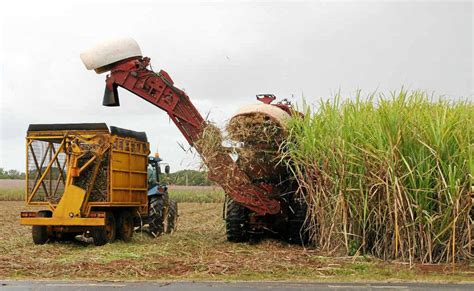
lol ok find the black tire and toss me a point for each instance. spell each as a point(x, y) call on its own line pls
point(236, 222)
point(172, 220)
point(40, 232)
point(297, 232)
point(156, 213)
point(105, 234)
point(125, 226)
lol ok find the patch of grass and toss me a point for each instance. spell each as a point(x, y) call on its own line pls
point(194, 194)
point(12, 194)
point(107, 254)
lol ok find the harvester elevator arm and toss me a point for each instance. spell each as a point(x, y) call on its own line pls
point(158, 89)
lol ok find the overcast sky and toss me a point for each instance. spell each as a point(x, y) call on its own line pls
point(222, 54)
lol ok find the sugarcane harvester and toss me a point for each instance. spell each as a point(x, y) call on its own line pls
point(253, 205)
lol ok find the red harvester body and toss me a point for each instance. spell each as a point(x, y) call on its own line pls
point(254, 205)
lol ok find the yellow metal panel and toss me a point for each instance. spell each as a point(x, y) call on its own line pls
point(138, 180)
point(138, 162)
point(71, 202)
point(120, 179)
point(39, 203)
point(127, 152)
point(120, 161)
point(140, 196)
point(75, 221)
point(115, 204)
point(120, 196)
point(128, 172)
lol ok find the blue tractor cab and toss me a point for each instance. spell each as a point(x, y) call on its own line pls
point(163, 211)
point(155, 187)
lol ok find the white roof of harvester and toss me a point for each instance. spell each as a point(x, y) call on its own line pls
point(109, 52)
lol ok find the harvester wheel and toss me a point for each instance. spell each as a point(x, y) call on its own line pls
point(236, 222)
point(172, 220)
point(156, 214)
point(40, 232)
point(105, 234)
point(297, 232)
point(125, 226)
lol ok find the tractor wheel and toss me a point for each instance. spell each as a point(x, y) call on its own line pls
point(236, 222)
point(156, 214)
point(40, 232)
point(172, 220)
point(105, 234)
point(297, 232)
point(125, 226)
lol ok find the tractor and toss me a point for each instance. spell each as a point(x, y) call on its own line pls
point(159, 204)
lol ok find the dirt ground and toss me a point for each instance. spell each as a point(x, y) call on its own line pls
point(198, 250)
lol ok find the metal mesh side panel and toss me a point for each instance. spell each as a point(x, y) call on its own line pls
point(40, 154)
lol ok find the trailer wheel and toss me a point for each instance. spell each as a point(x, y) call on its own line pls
point(105, 234)
point(297, 232)
point(156, 214)
point(40, 232)
point(125, 226)
point(236, 222)
point(172, 220)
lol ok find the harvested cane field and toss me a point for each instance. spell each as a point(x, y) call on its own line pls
point(198, 250)
point(388, 176)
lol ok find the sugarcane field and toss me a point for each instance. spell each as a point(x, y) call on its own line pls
point(283, 146)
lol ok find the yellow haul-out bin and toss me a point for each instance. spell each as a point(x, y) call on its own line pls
point(89, 179)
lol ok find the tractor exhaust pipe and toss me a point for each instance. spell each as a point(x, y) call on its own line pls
point(104, 56)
